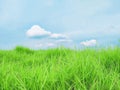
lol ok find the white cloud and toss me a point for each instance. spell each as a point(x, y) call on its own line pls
point(58, 36)
point(89, 43)
point(37, 32)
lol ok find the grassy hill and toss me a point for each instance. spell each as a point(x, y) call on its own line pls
point(60, 69)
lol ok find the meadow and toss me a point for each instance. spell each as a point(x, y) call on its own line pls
point(60, 69)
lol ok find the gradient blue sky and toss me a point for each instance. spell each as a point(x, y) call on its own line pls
point(80, 20)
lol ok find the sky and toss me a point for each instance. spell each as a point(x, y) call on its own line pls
point(52, 23)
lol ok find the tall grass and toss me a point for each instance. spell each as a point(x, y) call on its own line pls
point(60, 69)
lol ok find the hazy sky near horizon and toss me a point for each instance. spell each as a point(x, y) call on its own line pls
point(59, 22)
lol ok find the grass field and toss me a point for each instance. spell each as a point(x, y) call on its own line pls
point(60, 69)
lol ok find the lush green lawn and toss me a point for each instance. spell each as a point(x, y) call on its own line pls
point(60, 69)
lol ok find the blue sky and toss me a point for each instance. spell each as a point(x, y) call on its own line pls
point(70, 23)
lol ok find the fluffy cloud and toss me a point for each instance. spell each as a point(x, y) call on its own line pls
point(89, 43)
point(37, 32)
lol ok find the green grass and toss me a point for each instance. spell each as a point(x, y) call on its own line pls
point(60, 69)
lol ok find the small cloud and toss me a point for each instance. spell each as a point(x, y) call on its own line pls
point(89, 43)
point(58, 36)
point(37, 32)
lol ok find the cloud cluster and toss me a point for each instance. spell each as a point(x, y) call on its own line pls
point(49, 39)
point(89, 43)
point(37, 32)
